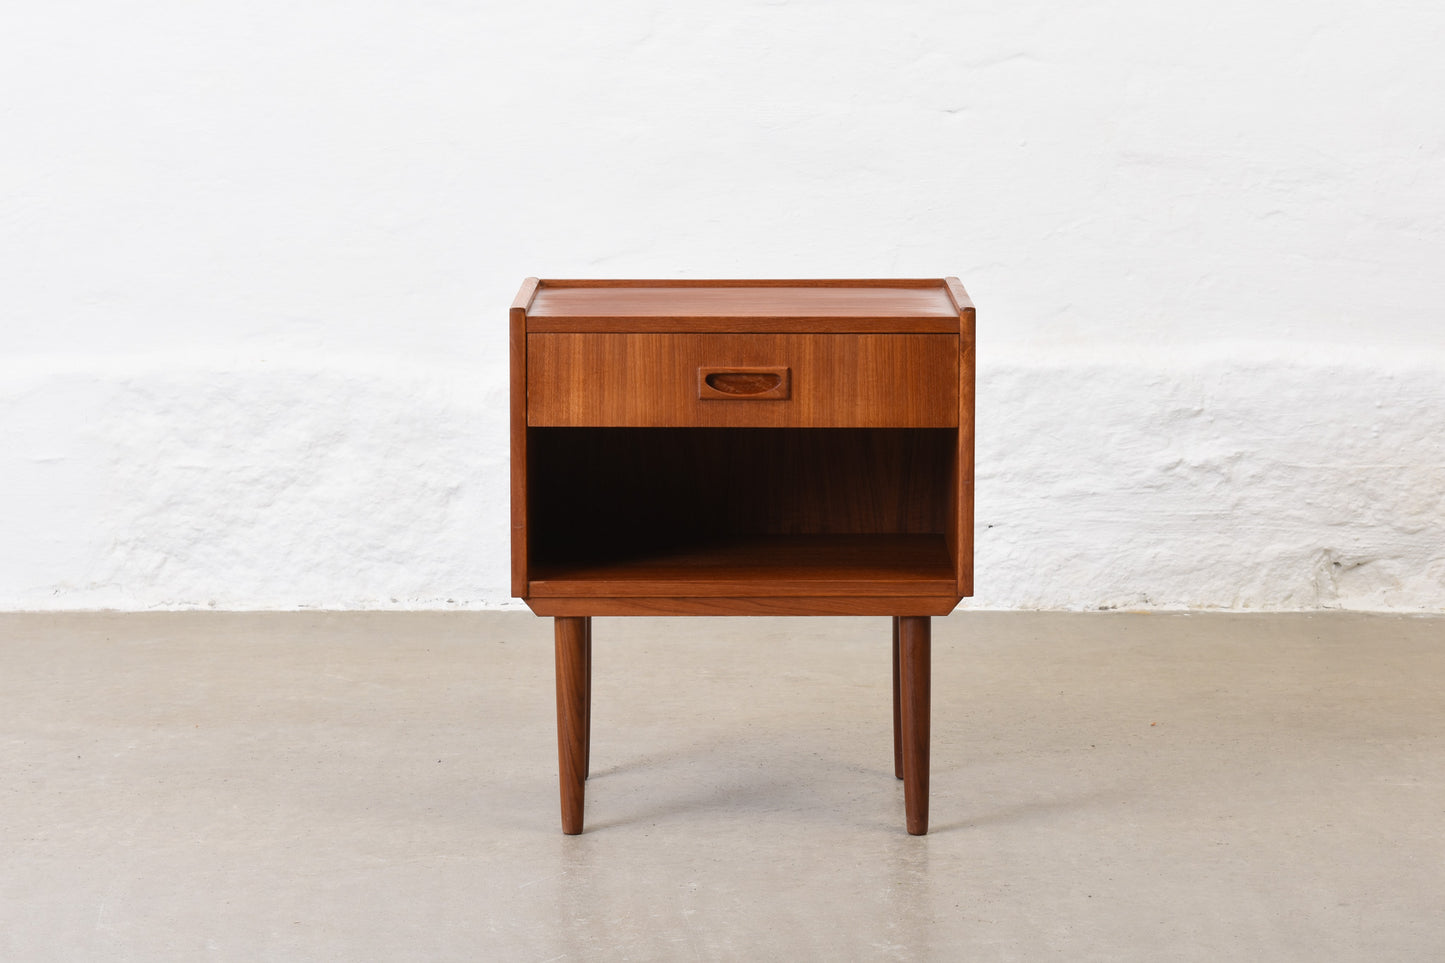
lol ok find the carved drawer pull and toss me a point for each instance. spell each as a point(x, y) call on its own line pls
point(743, 384)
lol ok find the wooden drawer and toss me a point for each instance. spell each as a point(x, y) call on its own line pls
point(742, 380)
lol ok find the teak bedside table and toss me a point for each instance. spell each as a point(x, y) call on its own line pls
point(742, 448)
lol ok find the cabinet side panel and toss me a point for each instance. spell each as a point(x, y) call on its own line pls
point(517, 348)
point(963, 563)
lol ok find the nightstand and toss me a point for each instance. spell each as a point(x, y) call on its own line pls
point(742, 448)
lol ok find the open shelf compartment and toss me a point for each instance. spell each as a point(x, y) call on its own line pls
point(763, 566)
point(766, 513)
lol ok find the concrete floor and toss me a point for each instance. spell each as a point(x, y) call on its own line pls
point(383, 787)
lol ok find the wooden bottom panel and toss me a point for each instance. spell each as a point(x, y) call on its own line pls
point(743, 566)
point(797, 605)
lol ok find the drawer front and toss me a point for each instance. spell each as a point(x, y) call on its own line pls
point(743, 380)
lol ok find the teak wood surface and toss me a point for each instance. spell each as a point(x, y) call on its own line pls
point(806, 306)
point(836, 380)
point(743, 448)
point(610, 492)
point(763, 565)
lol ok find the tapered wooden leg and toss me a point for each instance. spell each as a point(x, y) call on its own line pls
point(587, 697)
point(897, 722)
point(914, 663)
point(572, 718)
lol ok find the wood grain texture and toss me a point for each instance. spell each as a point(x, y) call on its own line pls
point(963, 472)
point(526, 294)
point(517, 350)
point(960, 533)
point(825, 469)
point(760, 566)
point(781, 605)
point(903, 283)
point(815, 306)
point(615, 501)
point(897, 711)
point(962, 303)
point(613, 492)
point(837, 380)
point(732, 383)
point(572, 700)
point(587, 697)
point(915, 685)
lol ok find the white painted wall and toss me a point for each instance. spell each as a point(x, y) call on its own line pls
point(255, 262)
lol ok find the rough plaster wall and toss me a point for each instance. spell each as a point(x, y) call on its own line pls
point(1234, 478)
point(1135, 482)
point(254, 264)
point(258, 486)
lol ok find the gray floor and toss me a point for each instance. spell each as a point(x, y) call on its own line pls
point(382, 787)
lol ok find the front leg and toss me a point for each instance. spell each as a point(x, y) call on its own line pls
point(914, 664)
point(573, 684)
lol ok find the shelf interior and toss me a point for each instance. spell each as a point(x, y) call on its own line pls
point(762, 565)
point(739, 511)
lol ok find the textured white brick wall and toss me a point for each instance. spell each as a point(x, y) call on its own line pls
point(254, 265)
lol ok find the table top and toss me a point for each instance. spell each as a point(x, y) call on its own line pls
point(915, 305)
